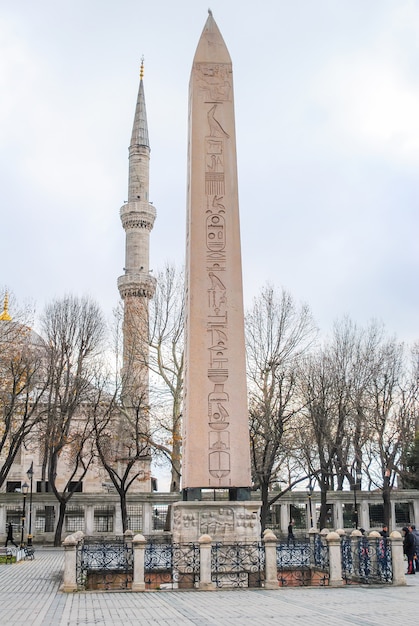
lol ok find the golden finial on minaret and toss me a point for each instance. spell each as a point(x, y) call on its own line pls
point(142, 68)
point(5, 317)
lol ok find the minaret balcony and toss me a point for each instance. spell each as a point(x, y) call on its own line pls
point(137, 215)
point(138, 284)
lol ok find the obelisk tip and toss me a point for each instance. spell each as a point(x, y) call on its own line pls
point(210, 12)
point(142, 68)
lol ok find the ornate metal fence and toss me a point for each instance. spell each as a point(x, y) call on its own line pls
point(303, 563)
point(171, 566)
point(237, 564)
point(366, 560)
point(104, 564)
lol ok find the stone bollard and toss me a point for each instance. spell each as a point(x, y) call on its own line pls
point(70, 554)
point(397, 560)
point(271, 570)
point(205, 582)
point(335, 560)
point(138, 578)
point(128, 537)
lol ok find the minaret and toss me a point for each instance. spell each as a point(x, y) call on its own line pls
point(136, 286)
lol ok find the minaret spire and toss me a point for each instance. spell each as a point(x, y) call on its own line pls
point(140, 129)
point(136, 286)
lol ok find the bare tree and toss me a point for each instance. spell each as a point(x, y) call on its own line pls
point(393, 413)
point(167, 367)
point(74, 331)
point(122, 443)
point(22, 387)
point(278, 333)
point(335, 383)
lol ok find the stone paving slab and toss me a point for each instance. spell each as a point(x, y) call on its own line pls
point(30, 596)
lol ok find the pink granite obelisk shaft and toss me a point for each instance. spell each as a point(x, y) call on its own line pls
point(216, 451)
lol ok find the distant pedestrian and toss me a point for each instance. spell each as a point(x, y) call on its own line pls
point(10, 535)
point(384, 532)
point(415, 534)
point(291, 537)
point(409, 550)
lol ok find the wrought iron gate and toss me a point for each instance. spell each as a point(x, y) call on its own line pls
point(237, 564)
point(104, 564)
point(366, 560)
point(171, 565)
point(303, 563)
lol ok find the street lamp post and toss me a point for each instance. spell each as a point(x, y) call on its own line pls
point(309, 490)
point(25, 489)
point(357, 484)
point(29, 474)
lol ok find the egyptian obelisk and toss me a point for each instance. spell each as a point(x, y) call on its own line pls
point(216, 451)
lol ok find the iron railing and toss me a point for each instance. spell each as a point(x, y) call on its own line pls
point(104, 564)
point(171, 565)
point(237, 564)
point(303, 563)
point(366, 560)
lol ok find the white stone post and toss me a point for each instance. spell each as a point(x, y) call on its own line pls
point(3, 514)
point(397, 561)
point(205, 582)
point(363, 514)
point(285, 517)
point(138, 578)
point(392, 521)
point(70, 554)
point(338, 515)
point(271, 570)
point(128, 536)
point(335, 560)
point(415, 512)
point(147, 518)
point(312, 533)
point(118, 521)
point(89, 519)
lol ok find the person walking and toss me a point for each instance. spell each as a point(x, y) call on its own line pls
point(291, 537)
point(10, 535)
point(384, 532)
point(415, 534)
point(409, 550)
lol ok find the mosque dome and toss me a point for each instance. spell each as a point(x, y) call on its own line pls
point(15, 332)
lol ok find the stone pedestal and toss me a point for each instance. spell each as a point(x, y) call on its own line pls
point(222, 521)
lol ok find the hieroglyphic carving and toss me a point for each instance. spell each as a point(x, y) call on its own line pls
point(216, 130)
point(214, 172)
point(215, 84)
point(214, 81)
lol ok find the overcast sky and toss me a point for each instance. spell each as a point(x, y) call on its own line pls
point(327, 122)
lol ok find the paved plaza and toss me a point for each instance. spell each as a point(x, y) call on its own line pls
point(29, 595)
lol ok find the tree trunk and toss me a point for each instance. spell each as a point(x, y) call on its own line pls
point(124, 513)
point(60, 524)
point(264, 509)
point(386, 501)
point(176, 456)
